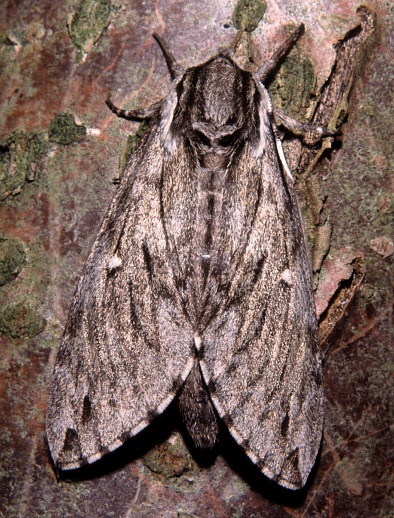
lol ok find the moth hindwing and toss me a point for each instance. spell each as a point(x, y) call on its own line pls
point(198, 286)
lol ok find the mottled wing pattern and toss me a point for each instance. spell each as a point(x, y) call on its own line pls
point(259, 344)
point(127, 347)
point(202, 254)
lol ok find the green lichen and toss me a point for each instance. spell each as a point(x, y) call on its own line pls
point(13, 38)
point(6, 40)
point(12, 257)
point(168, 460)
point(132, 142)
point(294, 85)
point(248, 13)
point(64, 130)
point(20, 321)
point(20, 154)
point(88, 23)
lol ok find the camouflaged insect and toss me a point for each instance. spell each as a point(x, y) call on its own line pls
point(198, 286)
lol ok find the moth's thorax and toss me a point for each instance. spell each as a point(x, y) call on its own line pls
point(219, 113)
point(220, 89)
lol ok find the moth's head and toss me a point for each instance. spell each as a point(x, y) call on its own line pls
point(220, 89)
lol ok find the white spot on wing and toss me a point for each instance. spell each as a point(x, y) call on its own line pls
point(114, 263)
point(287, 277)
point(197, 342)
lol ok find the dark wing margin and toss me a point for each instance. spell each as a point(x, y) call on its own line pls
point(259, 352)
point(127, 346)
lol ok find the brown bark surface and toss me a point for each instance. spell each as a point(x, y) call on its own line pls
point(60, 150)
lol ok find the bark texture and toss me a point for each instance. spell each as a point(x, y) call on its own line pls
point(60, 151)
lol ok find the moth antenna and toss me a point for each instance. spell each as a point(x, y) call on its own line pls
point(173, 66)
point(136, 115)
point(269, 66)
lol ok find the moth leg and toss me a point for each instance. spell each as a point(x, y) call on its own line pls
point(138, 115)
point(310, 133)
point(269, 66)
point(197, 411)
point(173, 66)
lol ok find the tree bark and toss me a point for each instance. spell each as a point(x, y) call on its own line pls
point(61, 150)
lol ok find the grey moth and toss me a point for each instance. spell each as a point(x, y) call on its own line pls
point(198, 286)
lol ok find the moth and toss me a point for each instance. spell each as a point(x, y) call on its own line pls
point(198, 286)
